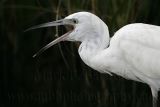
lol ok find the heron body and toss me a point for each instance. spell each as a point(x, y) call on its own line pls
point(133, 52)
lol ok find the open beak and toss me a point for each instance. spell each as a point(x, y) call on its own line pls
point(49, 24)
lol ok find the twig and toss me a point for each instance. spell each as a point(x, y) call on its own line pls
point(60, 48)
point(93, 6)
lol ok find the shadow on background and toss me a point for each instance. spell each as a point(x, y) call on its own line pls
point(58, 77)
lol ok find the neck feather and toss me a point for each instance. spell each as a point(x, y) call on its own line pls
point(95, 42)
point(91, 47)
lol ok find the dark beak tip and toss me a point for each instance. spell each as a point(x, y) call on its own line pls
point(34, 56)
point(26, 30)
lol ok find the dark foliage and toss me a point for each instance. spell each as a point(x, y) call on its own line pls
point(58, 77)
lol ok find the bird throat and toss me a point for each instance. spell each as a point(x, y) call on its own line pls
point(89, 48)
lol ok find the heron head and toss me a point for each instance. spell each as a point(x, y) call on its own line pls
point(82, 25)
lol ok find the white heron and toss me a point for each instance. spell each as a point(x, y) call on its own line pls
point(133, 52)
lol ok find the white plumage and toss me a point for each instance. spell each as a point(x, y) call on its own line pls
point(133, 52)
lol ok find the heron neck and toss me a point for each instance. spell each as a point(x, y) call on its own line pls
point(95, 42)
point(90, 48)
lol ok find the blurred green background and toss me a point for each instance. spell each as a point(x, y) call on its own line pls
point(58, 77)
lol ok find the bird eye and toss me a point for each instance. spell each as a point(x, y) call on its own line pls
point(75, 21)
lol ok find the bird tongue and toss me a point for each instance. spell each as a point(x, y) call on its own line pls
point(69, 27)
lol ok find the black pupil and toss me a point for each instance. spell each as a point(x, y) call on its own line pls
point(74, 20)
